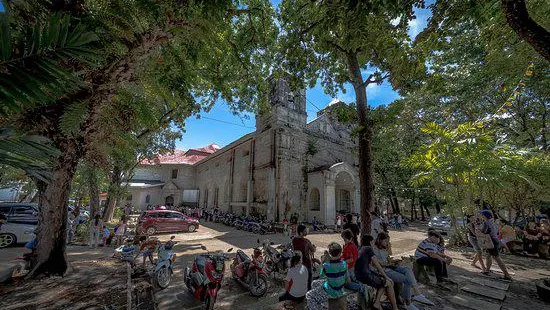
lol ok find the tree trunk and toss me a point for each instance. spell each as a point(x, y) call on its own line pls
point(397, 209)
point(427, 207)
point(423, 218)
point(93, 190)
point(366, 182)
point(437, 206)
point(518, 18)
point(114, 192)
point(51, 232)
point(413, 201)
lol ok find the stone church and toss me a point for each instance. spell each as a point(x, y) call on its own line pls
point(286, 165)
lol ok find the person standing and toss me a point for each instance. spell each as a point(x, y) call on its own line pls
point(375, 225)
point(120, 231)
point(490, 228)
point(353, 227)
point(302, 244)
point(96, 226)
point(473, 226)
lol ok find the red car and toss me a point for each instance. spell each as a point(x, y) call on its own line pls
point(154, 221)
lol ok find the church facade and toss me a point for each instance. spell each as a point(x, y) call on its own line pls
point(286, 165)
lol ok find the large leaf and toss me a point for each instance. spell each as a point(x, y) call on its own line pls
point(34, 68)
point(32, 154)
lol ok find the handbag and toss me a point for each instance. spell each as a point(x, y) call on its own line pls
point(485, 241)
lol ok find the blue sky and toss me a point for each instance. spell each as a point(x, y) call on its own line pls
point(221, 127)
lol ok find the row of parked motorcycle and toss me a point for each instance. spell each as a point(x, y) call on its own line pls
point(250, 223)
point(204, 278)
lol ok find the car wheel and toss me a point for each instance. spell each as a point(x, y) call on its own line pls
point(191, 228)
point(151, 230)
point(7, 240)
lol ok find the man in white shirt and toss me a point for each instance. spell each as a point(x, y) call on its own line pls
point(375, 225)
point(296, 280)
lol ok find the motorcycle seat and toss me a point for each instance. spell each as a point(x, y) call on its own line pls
point(243, 257)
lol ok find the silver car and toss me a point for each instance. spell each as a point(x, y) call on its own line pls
point(12, 233)
point(442, 223)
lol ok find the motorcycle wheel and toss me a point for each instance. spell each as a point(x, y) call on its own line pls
point(268, 266)
point(209, 303)
point(259, 288)
point(163, 277)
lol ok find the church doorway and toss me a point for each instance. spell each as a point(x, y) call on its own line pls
point(344, 192)
point(169, 201)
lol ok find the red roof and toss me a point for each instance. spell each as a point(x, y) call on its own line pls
point(189, 157)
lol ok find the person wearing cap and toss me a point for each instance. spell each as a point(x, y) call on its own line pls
point(491, 228)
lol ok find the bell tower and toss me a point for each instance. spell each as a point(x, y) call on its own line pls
point(287, 108)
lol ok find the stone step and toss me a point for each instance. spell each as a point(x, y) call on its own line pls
point(501, 285)
point(485, 291)
point(474, 303)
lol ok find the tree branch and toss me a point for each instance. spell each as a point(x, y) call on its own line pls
point(371, 80)
point(338, 47)
point(519, 20)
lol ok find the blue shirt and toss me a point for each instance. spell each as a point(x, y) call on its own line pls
point(425, 247)
point(336, 272)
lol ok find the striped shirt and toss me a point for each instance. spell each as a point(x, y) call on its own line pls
point(425, 247)
point(336, 273)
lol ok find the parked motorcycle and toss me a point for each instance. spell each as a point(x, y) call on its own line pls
point(250, 273)
point(277, 260)
point(163, 267)
point(204, 279)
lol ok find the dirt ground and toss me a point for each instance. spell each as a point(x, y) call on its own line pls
point(98, 281)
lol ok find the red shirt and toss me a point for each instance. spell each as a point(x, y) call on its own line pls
point(350, 252)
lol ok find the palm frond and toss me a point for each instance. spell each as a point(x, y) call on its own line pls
point(32, 154)
point(34, 68)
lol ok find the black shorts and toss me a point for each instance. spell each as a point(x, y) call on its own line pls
point(495, 250)
point(373, 279)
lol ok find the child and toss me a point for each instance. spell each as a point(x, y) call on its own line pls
point(120, 231)
point(349, 255)
point(106, 234)
point(315, 224)
point(336, 274)
point(296, 280)
point(148, 246)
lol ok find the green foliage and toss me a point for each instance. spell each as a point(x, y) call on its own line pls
point(318, 37)
point(31, 154)
point(34, 65)
point(466, 163)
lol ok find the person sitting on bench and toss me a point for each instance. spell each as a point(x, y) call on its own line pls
point(399, 273)
point(428, 254)
point(369, 271)
point(296, 280)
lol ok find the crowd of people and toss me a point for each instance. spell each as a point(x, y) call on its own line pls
point(352, 265)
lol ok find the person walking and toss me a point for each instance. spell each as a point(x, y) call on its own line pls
point(490, 228)
point(302, 244)
point(473, 225)
point(95, 228)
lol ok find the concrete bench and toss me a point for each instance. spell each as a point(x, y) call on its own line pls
point(422, 273)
